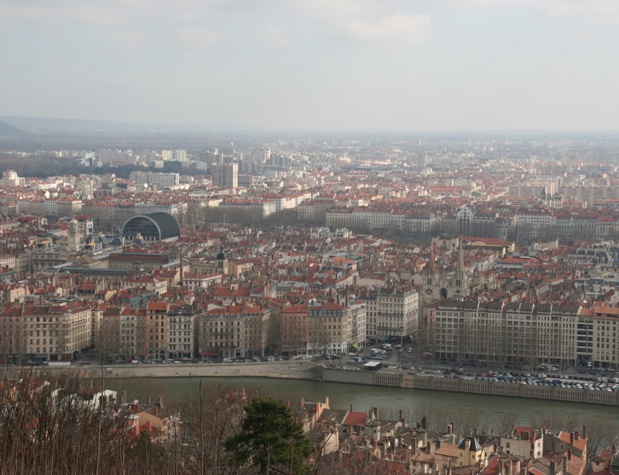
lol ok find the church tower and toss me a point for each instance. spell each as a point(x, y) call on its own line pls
point(461, 283)
point(75, 237)
point(429, 291)
point(222, 260)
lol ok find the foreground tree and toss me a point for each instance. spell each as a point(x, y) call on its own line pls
point(270, 440)
point(208, 423)
point(46, 428)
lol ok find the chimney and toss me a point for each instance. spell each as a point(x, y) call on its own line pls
point(572, 438)
point(569, 454)
point(552, 470)
point(156, 411)
point(584, 431)
point(401, 416)
point(351, 408)
point(575, 436)
point(181, 274)
point(414, 445)
point(424, 423)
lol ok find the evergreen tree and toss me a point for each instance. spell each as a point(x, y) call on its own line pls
point(270, 440)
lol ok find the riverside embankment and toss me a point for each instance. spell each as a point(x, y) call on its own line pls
point(314, 372)
point(278, 369)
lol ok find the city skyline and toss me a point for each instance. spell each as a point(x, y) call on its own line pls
point(362, 66)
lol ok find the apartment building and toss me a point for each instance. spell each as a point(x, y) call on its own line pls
point(226, 175)
point(157, 330)
point(109, 340)
point(160, 180)
point(233, 331)
point(181, 331)
point(56, 332)
point(525, 334)
point(293, 328)
point(391, 315)
point(131, 320)
point(597, 337)
point(330, 327)
point(256, 207)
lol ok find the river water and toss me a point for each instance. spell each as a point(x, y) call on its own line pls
point(467, 411)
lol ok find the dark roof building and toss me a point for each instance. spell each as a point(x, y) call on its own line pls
point(154, 226)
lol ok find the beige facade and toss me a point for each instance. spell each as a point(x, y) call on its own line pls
point(525, 334)
point(598, 337)
point(226, 175)
point(233, 331)
point(330, 328)
point(391, 314)
point(181, 332)
point(58, 331)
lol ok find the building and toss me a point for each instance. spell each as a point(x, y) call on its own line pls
point(436, 285)
point(152, 227)
point(233, 331)
point(157, 330)
point(181, 331)
point(11, 178)
point(160, 180)
point(294, 331)
point(329, 328)
point(597, 337)
point(392, 315)
point(53, 332)
point(226, 175)
point(515, 334)
point(135, 260)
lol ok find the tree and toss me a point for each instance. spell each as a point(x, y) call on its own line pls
point(152, 456)
point(270, 440)
point(207, 424)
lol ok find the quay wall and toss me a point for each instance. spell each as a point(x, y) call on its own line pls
point(277, 369)
point(311, 371)
point(488, 388)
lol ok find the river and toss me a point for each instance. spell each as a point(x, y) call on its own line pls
point(466, 410)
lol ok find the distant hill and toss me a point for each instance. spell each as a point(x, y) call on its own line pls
point(45, 125)
point(8, 129)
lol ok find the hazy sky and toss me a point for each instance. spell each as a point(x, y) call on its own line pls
point(367, 65)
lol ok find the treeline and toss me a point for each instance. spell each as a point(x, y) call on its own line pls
point(57, 427)
point(48, 165)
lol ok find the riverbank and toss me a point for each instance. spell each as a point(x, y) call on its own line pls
point(309, 371)
point(278, 369)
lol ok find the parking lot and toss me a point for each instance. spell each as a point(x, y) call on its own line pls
point(407, 360)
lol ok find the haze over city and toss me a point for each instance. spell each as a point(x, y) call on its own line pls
point(308, 237)
point(338, 65)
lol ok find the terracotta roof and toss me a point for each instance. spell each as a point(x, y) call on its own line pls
point(355, 419)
